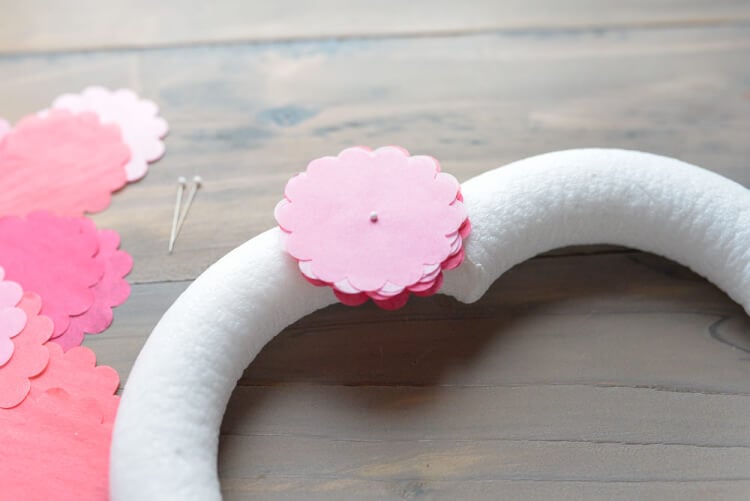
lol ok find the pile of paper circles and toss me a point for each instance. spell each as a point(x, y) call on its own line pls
point(60, 278)
point(377, 225)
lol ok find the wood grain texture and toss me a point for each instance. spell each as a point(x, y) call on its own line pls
point(246, 118)
point(586, 374)
point(612, 375)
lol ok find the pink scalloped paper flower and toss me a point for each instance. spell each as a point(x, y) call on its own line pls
point(142, 127)
point(30, 356)
point(111, 291)
point(55, 446)
point(374, 224)
point(38, 365)
point(54, 257)
point(76, 372)
point(12, 318)
point(62, 162)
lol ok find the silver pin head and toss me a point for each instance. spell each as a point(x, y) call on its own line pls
point(374, 217)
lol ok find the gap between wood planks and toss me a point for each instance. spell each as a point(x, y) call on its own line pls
point(537, 31)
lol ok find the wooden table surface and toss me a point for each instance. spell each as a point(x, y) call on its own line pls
point(586, 373)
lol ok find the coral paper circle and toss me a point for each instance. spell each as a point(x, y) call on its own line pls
point(77, 373)
point(62, 162)
point(55, 446)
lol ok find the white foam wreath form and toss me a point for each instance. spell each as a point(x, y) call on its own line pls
point(166, 434)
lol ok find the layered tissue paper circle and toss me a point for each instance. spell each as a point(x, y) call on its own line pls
point(54, 257)
point(142, 127)
point(76, 269)
point(111, 291)
point(62, 162)
point(55, 446)
point(56, 417)
point(12, 317)
point(30, 355)
point(374, 224)
point(77, 373)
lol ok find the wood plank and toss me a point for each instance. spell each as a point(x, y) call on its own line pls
point(44, 25)
point(283, 488)
point(280, 457)
point(436, 437)
point(247, 117)
point(597, 377)
point(574, 413)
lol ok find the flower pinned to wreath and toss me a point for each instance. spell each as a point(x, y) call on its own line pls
point(374, 224)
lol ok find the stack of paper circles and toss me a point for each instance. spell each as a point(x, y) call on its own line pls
point(60, 278)
point(377, 225)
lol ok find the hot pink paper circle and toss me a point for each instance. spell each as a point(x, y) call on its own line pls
point(380, 224)
point(142, 128)
point(111, 291)
point(62, 162)
point(54, 257)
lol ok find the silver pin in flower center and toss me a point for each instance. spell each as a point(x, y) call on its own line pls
point(374, 217)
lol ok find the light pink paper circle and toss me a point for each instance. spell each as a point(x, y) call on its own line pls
point(30, 355)
point(380, 224)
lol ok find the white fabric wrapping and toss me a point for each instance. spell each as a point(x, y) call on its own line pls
point(166, 434)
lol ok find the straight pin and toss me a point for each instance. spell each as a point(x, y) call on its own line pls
point(196, 184)
point(181, 181)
